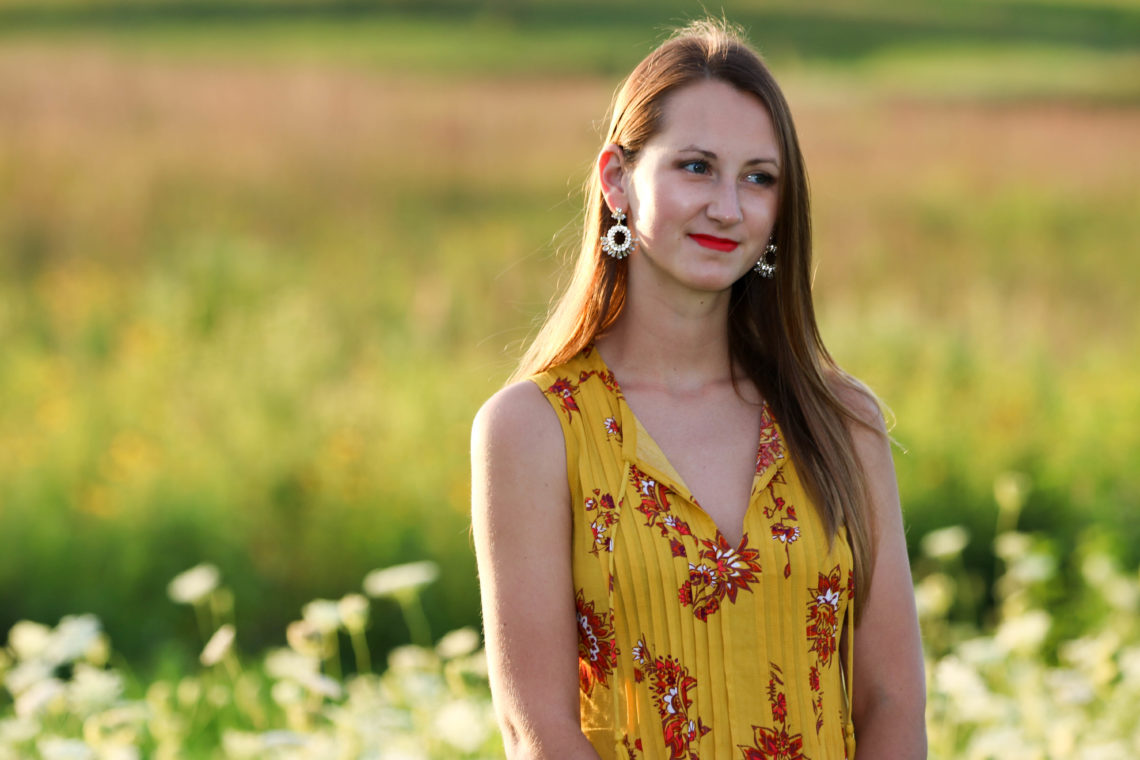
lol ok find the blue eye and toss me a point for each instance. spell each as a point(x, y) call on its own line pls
point(761, 178)
point(696, 167)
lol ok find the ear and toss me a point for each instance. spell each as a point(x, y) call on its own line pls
point(613, 172)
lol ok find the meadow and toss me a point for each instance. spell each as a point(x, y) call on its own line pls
point(259, 267)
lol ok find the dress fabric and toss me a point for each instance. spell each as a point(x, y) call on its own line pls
point(689, 647)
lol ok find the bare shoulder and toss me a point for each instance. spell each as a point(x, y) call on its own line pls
point(518, 455)
point(516, 418)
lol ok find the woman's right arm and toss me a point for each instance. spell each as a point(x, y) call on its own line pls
point(521, 521)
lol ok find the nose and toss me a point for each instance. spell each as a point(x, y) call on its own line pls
point(724, 205)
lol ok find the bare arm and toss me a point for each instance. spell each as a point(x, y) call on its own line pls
point(522, 528)
point(890, 691)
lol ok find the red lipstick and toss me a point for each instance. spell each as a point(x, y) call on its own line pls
point(715, 243)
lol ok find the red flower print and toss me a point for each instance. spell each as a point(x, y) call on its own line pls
point(565, 390)
point(597, 650)
point(780, 708)
point(655, 504)
point(771, 448)
point(823, 616)
point(770, 744)
point(606, 377)
point(670, 685)
point(817, 700)
point(775, 743)
point(607, 515)
point(723, 573)
point(782, 531)
point(612, 428)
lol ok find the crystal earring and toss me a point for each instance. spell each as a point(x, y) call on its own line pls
point(619, 241)
point(766, 266)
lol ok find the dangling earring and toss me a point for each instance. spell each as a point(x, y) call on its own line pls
point(766, 266)
point(619, 241)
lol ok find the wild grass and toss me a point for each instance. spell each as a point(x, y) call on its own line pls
point(252, 292)
point(249, 312)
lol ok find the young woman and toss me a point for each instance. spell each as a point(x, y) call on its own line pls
point(686, 519)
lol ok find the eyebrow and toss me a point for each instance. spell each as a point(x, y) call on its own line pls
point(709, 154)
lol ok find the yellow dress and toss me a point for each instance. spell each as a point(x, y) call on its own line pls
point(689, 647)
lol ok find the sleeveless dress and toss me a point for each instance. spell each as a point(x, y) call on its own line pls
point(689, 647)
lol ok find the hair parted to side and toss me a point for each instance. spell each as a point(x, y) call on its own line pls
point(773, 333)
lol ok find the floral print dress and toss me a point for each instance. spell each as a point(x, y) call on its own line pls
point(690, 647)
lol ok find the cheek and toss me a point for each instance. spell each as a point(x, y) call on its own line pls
point(660, 207)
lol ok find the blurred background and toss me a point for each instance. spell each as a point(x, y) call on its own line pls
point(261, 261)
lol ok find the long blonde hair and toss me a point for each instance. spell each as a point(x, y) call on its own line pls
point(773, 333)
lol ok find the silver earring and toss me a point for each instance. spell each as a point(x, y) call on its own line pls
point(619, 241)
point(766, 266)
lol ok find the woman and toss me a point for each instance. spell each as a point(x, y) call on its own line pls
point(686, 520)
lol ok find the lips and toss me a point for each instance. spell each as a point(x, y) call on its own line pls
point(715, 243)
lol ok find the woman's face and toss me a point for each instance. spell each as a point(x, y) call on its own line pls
point(702, 194)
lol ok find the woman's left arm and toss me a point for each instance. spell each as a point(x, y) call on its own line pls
point(889, 701)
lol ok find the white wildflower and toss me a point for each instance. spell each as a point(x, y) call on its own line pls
point(287, 693)
point(410, 658)
point(118, 726)
point(934, 595)
point(322, 685)
point(288, 663)
point(965, 688)
point(26, 675)
point(1094, 655)
point(354, 609)
point(218, 646)
point(1070, 687)
point(281, 738)
point(322, 614)
point(476, 664)
point(92, 689)
point(240, 745)
point(1130, 666)
point(1011, 544)
point(55, 748)
point(307, 639)
point(1122, 593)
point(195, 584)
point(119, 752)
point(393, 581)
point(44, 696)
point(99, 653)
point(980, 650)
point(1024, 633)
point(458, 643)
point(1036, 567)
point(1006, 742)
point(71, 639)
point(17, 730)
point(945, 542)
point(28, 640)
point(404, 748)
point(462, 724)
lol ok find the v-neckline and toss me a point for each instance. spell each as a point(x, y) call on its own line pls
point(656, 461)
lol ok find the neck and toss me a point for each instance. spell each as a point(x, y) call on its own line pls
point(681, 346)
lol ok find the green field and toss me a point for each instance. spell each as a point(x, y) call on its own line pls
point(261, 262)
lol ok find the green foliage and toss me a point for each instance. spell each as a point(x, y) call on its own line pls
point(254, 286)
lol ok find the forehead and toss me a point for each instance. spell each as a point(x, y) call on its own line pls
point(712, 113)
